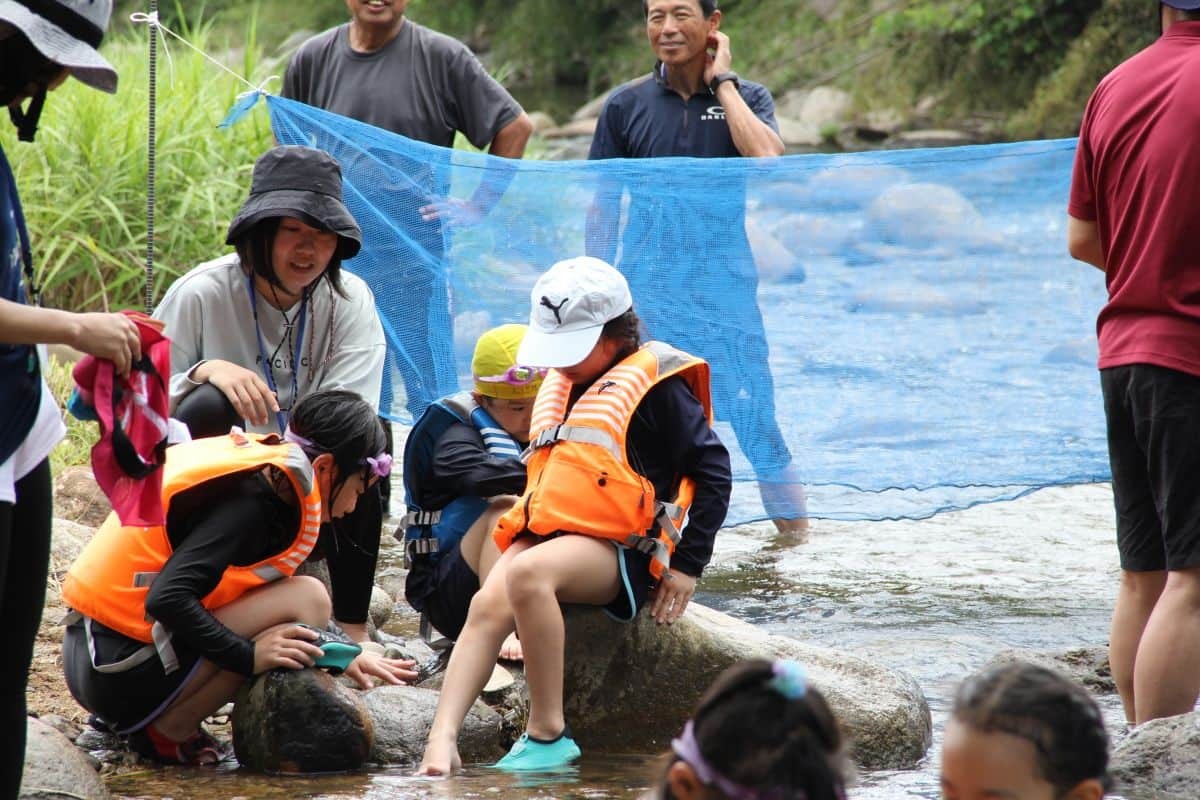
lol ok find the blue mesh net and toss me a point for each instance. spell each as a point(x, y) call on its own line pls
point(899, 332)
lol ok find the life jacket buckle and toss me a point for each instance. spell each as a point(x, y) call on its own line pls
point(546, 438)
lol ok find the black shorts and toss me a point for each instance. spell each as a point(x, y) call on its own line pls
point(442, 590)
point(1154, 449)
point(127, 700)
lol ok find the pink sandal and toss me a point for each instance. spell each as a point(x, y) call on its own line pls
point(200, 749)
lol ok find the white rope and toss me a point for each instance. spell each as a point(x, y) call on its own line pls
point(153, 20)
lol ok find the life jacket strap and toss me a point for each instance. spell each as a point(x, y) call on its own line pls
point(665, 515)
point(417, 518)
point(577, 433)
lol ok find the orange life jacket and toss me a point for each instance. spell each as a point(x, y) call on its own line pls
point(579, 479)
point(110, 579)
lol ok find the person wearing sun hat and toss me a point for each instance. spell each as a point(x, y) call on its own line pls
point(462, 470)
point(627, 486)
point(256, 331)
point(1132, 214)
point(42, 42)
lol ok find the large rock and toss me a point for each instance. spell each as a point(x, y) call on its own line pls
point(78, 497)
point(67, 540)
point(1160, 759)
point(55, 768)
point(300, 721)
point(1085, 665)
point(402, 716)
point(825, 106)
point(382, 606)
point(630, 687)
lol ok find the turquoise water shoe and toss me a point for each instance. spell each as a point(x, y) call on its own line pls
point(529, 754)
point(336, 653)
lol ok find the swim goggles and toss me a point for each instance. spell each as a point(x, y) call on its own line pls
point(516, 375)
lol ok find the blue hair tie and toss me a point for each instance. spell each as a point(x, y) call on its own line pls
point(789, 679)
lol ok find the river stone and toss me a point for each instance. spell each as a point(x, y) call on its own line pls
point(67, 540)
point(1087, 666)
point(301, 721)
point(403, 715)
point(79, 498)
point(1160, 759)
point(55, 768)
point(825, 106)
point(629, 688)
point(382, 606)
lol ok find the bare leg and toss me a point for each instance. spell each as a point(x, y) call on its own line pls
point(488, 622)
point(296, 599)
point(1138, 593)
point(480, 552)
point(568, 569)
point(1165, 679)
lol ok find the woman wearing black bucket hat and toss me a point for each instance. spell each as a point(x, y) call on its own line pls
point(255, 331)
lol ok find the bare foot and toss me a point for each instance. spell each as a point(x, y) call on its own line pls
point(440, 760)
point(511, 649)
point(791, 525)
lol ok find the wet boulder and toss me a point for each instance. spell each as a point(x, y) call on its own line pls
point(1160, 759)
point(403, 715)
point(1087, 666)
point(301, 721)
point(382, 606)
point(629, 688)
point(55, 768)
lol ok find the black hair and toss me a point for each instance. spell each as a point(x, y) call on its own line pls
point(626, 329)
point(22, 64)
point(707, 7)
point(755, 736)
point(1058, 717)
point(255, 246)
point(342, 424)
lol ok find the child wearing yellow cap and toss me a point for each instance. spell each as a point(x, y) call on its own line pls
point(462, 470)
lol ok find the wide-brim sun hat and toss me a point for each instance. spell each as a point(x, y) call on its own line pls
point(300, 182)
point(68, 32)
point(569, 305)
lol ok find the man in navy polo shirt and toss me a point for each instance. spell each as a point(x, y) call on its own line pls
point(693, 104)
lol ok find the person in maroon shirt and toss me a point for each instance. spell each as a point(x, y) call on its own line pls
point(1134, 213)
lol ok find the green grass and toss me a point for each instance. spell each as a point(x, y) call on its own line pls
point(76, 448)
point(83, 182)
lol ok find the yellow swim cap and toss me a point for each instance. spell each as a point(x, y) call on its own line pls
point(495, 367)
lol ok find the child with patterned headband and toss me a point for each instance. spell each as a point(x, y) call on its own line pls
point(760, 732)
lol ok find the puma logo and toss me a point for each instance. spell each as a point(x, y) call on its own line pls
point(555, 308)
point(605, 385)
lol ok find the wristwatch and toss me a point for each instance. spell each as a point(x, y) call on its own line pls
point(724, 76)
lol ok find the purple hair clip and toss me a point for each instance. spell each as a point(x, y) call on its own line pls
point(381, 465)
point(790, 679)
point(687, 749)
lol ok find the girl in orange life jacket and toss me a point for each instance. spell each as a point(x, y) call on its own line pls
point(1020, 730)
point(760, 732)
point(173, 619)
point(582, 325)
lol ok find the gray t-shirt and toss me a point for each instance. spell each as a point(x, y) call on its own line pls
point(422, 84)
point(208, 315)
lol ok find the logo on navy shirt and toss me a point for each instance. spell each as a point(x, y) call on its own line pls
point(713, 113)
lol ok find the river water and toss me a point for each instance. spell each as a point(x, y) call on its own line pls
point(936, 598)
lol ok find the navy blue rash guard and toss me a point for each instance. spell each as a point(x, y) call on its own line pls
point(646, 118)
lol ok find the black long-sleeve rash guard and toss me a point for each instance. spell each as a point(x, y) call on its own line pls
point(233, 520)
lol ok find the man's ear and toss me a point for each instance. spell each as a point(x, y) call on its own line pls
point(683, 782)
point(1090, 789)
point(714, 22)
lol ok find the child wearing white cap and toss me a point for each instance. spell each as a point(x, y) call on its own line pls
point(627, 486)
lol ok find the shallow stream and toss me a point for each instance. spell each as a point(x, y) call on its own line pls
point(936, 598)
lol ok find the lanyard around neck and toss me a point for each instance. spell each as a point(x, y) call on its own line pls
point(280, 417)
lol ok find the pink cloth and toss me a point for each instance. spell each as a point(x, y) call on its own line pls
point(133, 413)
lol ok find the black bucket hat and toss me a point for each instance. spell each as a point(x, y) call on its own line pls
point(300, 182)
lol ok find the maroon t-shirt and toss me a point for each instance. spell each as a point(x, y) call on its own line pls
point(1137, 176)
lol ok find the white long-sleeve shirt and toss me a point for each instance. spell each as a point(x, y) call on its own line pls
point(208, 315)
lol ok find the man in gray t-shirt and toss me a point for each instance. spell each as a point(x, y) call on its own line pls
point(390, 72)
